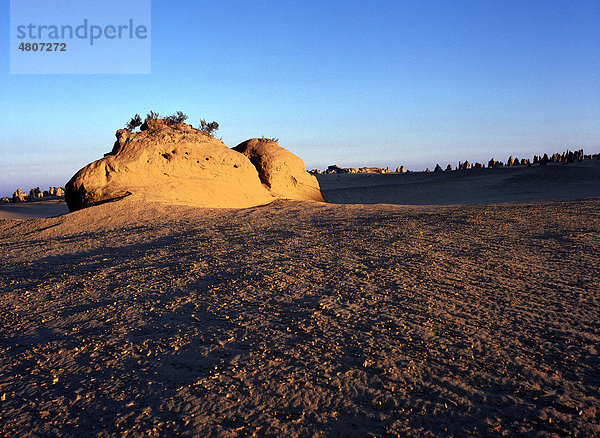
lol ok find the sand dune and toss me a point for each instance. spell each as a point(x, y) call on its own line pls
point(302, 319)
point(475, 186)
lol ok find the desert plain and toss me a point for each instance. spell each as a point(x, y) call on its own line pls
point(458, 304)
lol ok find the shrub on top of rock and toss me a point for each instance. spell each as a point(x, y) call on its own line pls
point(178, 117)
point(209, 128)
point(177, 163)
point(135, 122)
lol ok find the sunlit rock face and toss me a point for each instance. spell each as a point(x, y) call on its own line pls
point(174, 162)
point(282, 172)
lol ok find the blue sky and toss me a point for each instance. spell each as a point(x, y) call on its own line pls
point(383, 83)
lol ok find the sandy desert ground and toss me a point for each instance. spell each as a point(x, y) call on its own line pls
point(305, 319)
point(474, 186)
point(33, 210)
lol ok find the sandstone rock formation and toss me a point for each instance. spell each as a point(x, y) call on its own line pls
point(464, 166)
point(282, 172)
point(334, 168)
point(20, 196)
point(177, 163)
point(54, 191)
point(35, 194)
point(563, 158)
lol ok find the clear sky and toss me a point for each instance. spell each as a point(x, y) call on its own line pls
point(353, 83)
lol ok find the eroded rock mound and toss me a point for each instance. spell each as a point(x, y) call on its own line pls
point(174, 162)
point(169, 162)
point(282, 172)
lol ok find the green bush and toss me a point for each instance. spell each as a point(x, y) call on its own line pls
point(209, 128)
point(134, 122)
point(176, 118)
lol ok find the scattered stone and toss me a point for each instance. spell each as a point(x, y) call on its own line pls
point(337, 169)
point(35, 194)
point(372, 170)
point(334, 168)
point(20, 196)
point(464, 166)
point(565, 157)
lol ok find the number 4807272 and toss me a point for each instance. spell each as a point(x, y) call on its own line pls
point(43, 47)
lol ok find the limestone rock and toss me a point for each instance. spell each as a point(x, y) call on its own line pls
point(334, 168)
point(20, 196)
point(176, 163)
point(169, 162)
point(4, 200)
point(464, 166)
point(35, 194)
point(56, 191)
point(282, 172)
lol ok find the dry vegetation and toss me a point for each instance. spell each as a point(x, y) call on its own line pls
point(302, 319)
